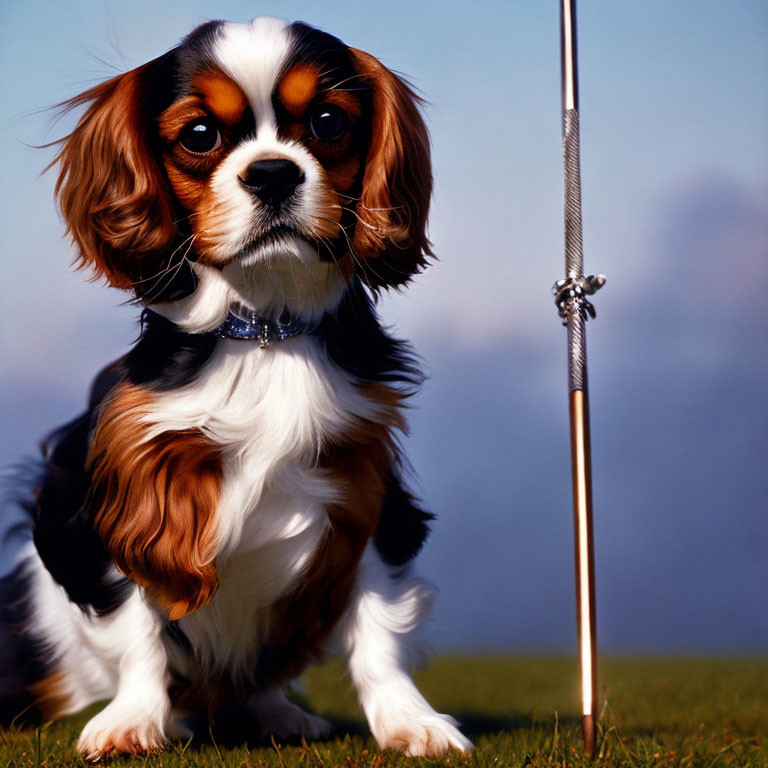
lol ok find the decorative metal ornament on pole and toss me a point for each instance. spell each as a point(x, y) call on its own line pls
point(574, 307)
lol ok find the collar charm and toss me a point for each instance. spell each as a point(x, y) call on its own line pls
point(246, 325)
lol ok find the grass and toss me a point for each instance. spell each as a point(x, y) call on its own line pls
point(520, 712)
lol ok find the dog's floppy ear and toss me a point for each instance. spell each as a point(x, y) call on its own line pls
point(390, 240)
point(111, 190)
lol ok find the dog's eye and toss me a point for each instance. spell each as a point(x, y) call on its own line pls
point(200, 136)
point(328, 122)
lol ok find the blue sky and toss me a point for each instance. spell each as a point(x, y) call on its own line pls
point(674, 112)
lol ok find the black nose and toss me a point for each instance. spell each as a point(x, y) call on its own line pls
point(272, 181)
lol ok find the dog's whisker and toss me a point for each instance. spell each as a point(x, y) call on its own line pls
point(170, 266)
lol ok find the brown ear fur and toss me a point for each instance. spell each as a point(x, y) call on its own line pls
point(110, 189)
point(390, 240)
point(153, 502)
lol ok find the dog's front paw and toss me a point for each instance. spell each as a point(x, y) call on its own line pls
point(117, 730)
point(426, 735)
point(295, 724)
point(277, 716)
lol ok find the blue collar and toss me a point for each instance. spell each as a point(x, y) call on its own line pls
point(246, 325)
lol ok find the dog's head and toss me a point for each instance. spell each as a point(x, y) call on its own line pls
point(249, 145)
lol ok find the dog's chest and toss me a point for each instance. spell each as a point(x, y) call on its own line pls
point(270, 411)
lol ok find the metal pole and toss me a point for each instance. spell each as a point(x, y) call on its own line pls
point(575, 308)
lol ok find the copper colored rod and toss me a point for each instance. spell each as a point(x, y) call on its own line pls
point(581, 471)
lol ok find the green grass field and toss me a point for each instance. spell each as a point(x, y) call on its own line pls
point(520, 711)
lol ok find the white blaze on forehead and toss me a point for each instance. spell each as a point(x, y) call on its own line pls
point(253, 56)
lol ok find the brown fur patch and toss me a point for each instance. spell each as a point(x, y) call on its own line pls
point(51, 695)
point(298, 87)
point(342, 174)
point(187, 173)
point(154, 502)
point(390, 401)
point(188, 187)
point(221, 95)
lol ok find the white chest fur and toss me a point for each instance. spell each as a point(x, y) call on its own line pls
point(271, 411)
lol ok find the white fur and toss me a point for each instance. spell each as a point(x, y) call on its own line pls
point(137, 715)
point(377, 633)
point(308, 288)
point(271, 410)
point(253, 55)
point(119, 657)
point(203, 310)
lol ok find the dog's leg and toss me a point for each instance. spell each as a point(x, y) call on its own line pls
point(278, 717)
point(134, 721)
point(376, 632)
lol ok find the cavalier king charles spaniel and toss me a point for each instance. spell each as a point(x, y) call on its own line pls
point(231, 507)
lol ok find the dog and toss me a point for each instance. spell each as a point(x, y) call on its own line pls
point(232, 505)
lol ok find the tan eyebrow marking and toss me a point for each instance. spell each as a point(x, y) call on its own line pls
point(298, 87)
point(221, 96)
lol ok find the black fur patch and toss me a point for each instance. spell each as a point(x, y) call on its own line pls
point(314, 45)
point(23, 658)
point(195, 52)
point(357, 343)
point(165, 357)
point(403, 526)
point(63, 533)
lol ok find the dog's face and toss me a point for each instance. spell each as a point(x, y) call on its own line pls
point(253, 144)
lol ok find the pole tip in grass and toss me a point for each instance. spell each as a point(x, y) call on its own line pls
point(588, 732)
